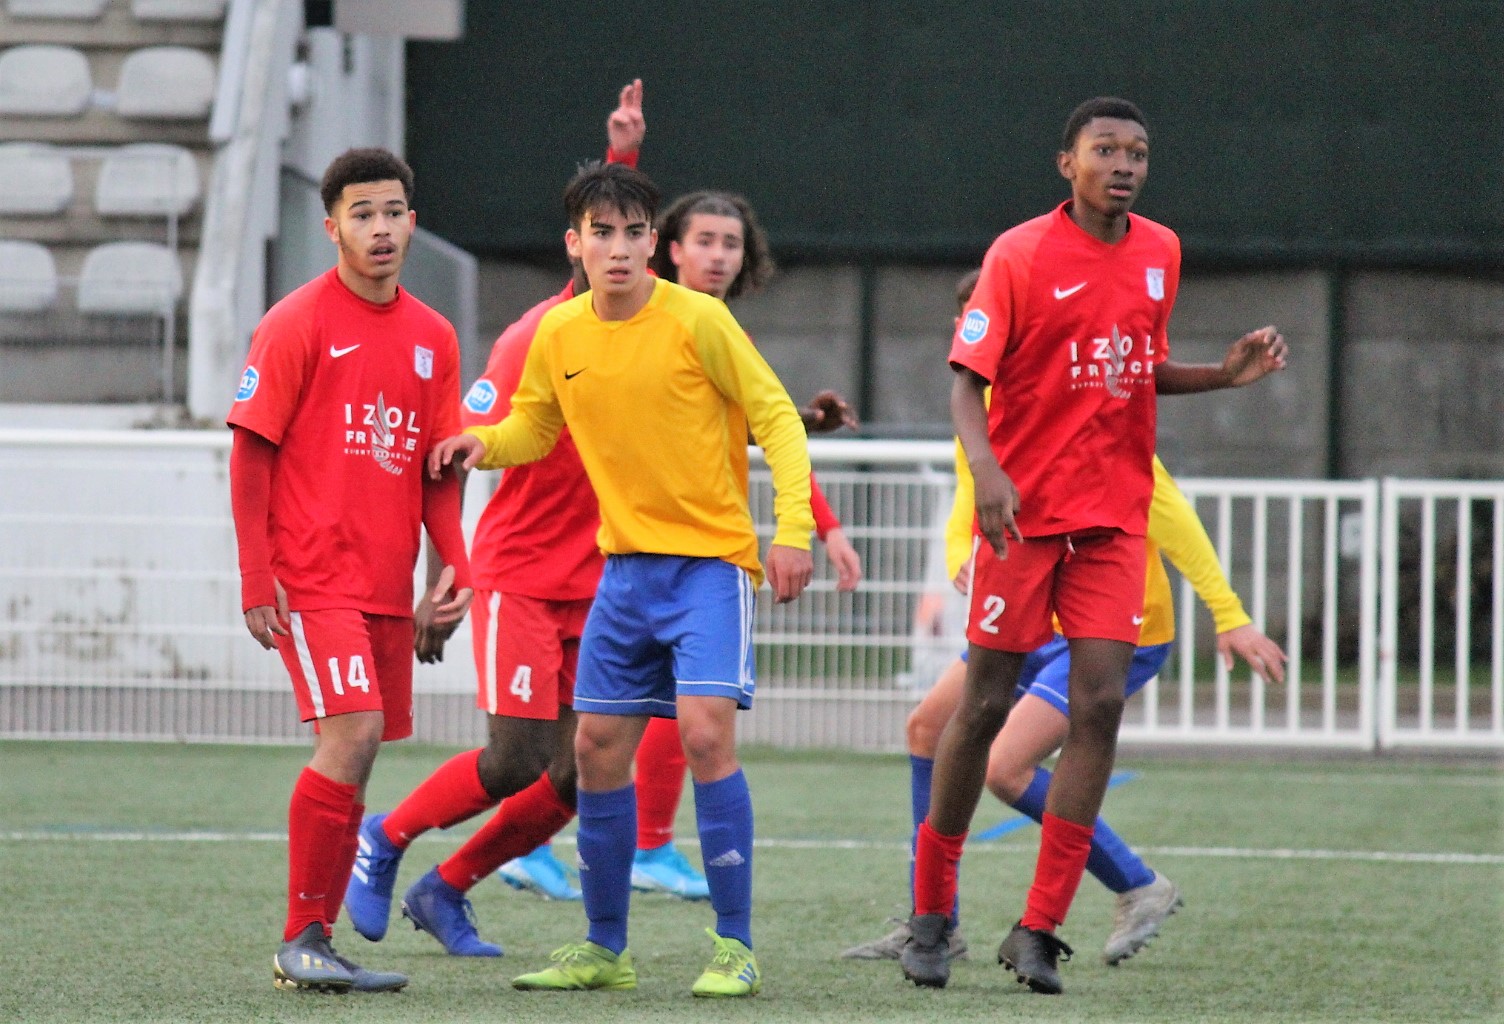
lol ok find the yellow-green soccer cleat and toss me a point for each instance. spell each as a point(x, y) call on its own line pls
point(581, 965)
point(732, 972)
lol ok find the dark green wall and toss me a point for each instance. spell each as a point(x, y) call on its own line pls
point(1283, 133)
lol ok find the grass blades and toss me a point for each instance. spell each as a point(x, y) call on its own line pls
point(145, 883)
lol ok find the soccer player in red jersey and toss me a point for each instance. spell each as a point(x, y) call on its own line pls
point(1069, 326)
point(349, 382)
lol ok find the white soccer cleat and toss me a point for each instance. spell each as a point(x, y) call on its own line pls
point(1140, 913)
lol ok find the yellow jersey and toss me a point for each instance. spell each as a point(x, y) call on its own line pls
point(1174, 531)
point(655, 405)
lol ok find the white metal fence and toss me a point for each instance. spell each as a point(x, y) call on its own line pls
point(121, 608)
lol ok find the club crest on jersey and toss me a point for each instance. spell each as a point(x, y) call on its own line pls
point(423, 361)
point(1154, 279)
point(974, 327)
point(481, 396)
point(248, 383)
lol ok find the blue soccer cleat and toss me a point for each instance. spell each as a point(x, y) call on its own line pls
point(368, 897)
point(665, 869)
point(438, 908)
point(540, 872)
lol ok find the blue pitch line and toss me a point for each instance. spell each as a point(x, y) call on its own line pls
point(1022, 821)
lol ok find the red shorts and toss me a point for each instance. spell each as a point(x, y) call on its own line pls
point(1092, 581)
point(342, 660)
point(526, 649)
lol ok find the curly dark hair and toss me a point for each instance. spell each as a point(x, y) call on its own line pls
point(359, 166)
point(757, 259)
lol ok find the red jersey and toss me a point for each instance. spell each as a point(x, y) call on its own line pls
point(1069, 329)
point(538, 534)
point(353, 394)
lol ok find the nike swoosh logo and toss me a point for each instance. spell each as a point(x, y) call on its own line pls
point(335, 353)
point(572, 376)
point(1065, 293)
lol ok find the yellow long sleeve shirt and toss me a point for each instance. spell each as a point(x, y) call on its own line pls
point(1174, 531)
point(654, 405)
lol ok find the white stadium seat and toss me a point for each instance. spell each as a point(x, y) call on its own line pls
point(147, 180)
point(170, 82)
point(178, 10)
point(79, 9)
point(44, 81)
point(37, 179)
point(130, 279)
point(28, 277)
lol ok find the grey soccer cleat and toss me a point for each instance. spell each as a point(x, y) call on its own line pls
point(371, 981)
point(1032, 955)
point(308, 963)
point(925, 956)
point(1139, 915)
point(891, 945)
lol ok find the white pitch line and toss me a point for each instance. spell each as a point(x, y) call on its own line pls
point(1243, 853)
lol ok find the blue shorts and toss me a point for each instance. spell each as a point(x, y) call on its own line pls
point(662, 626)
point(1047, 669)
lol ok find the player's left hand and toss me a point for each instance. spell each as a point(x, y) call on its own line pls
point(789, 571)
point(430, 634)
point(1262, 654)
point(625, 126)
point(844, 560)
point(450, 604)
point(1254, 356)
point(828, 412)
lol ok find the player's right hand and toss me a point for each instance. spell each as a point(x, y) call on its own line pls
point(997, 506)
point(469, 447)
point(265, 623)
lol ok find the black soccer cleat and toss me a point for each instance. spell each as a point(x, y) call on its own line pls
point(925, 957)
point(1032, 955)
point(308, 963)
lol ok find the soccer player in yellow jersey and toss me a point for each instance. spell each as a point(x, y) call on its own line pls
point(648, 376)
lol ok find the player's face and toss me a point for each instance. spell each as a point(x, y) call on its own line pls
point(710, 254)
point(614, 248)
point(372, 225)
point(1108, 166)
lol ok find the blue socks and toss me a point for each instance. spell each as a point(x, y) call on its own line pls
point(724, 811)
point(608, 839)
point(1111, 861)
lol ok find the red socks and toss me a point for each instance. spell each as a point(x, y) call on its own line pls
point(935, 860)
point(318, 834)
point(345, 861)
point(1063, 849)
point(660, 782)
point(525, 821)
point(450, 795)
